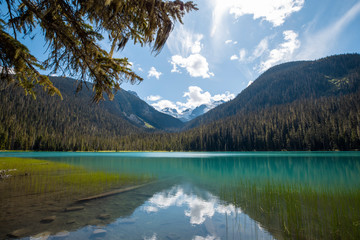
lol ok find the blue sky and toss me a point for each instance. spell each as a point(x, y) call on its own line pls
point(226, 44)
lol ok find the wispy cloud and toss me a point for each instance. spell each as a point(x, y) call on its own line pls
point(241, 57)
point(154, 73)
point(260, 49)
point(184, 42)
point(284, 52)
point(188, 46)
point(231, 42)
point(320, 44)
point(274, 12)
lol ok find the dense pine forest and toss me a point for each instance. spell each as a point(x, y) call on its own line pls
point(308, 105)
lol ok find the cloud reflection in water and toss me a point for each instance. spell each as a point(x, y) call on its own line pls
point(197, 208)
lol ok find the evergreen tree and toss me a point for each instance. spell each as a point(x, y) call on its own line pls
point(72, 30)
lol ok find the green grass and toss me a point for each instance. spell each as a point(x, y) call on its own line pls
point(293, 211)
point(32, 176)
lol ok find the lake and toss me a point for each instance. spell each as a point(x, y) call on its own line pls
point(200, 196)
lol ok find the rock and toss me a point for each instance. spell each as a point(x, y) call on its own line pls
point(71, 221)
point(99, 233)
point(94, 222)
point(100, 226)
point(104, 216)
point(76, 208)
point(18, 233)
point(41, 236)
point(62, 234)
point(48, 219)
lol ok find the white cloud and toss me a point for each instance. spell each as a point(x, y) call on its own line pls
point(227, 96)
point(230, 41)
point(284, 51)
point(154, 73)
point(186, 47)
point(275, 11)
point(209, 237)
point(153, 98)
point(196, 65)
point(320, 44)
point(195, 97)
point(234, 57)
point(140, 69)
point(164, 104)
point(199, 210)
point(250, 82)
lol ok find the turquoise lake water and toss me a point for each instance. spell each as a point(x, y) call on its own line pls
point(255, 195)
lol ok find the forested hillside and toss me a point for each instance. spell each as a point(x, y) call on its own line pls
point(288, 82)
point(74, 123)
point(309, 105)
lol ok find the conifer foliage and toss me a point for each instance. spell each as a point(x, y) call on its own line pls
point(73, 29)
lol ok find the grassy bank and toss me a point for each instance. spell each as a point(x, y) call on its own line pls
point(295, 211)
point(32, 176)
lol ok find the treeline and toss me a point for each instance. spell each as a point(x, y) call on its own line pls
point(315, 124)
point(288, 82)
point(311, 105)
point(328, 123)
point(48, 123)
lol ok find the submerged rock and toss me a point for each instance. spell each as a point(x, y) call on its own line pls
point(62, 234)
point(104, 216)
point(71, 221)
point(99, 233)
point(94, 222)
point(48, 219)
point(41, 236)
point(18, 233)
point(76, 208)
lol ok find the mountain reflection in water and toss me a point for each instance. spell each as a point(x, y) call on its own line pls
point(266, 195)
point(179, 213)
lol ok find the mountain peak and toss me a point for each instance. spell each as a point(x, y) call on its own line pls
point(133, 93)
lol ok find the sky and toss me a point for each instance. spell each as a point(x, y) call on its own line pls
point(225, 45)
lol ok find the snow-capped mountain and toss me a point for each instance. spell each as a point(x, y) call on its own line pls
point(189, 114)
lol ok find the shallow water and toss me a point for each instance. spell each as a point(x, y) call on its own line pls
point(266, 195)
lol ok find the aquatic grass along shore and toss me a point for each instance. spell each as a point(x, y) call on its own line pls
point(39, 195)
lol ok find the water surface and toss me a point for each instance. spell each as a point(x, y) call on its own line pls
point(266, 195)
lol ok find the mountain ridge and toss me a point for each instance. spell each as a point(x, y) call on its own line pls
point(276, 86)
point(307, 105)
